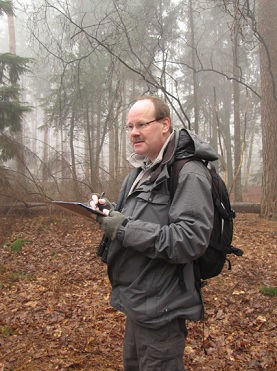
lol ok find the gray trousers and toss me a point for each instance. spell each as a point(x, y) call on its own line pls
point(161, 349)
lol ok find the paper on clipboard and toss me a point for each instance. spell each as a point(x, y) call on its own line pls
point(78, 208)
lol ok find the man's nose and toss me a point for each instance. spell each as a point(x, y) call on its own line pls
point(135, 131)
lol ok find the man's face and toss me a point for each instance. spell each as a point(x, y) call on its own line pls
point(147, 141)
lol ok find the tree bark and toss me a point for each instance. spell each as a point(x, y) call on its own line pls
point(194, 69)
point(73, 159)
point(267, 27)
point(236, 92)
point(12, 42)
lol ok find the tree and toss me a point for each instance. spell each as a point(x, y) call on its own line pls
point(6, 7)
point(11, 108)
point(194, 69)
point(237, 99)
point(267, 33)
point(105, 53)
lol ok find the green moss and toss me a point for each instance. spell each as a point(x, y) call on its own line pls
point(18, 244)
point(6, 331)
point(269, 291)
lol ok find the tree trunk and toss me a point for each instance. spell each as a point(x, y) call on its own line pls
point(236, 92)
point(268, 66)
point(12, 43)
point(45, 168)
point(215, 140)
point(124, 163)
point(194, 69)
point(227, 135)
point(249, 160)
point(89, 144)
point(73, 159)
point(20, 157)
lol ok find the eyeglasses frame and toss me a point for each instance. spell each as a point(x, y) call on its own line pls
point(129, 128)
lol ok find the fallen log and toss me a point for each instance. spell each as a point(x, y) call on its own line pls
point(238, 207)
point(246, 207)
point(24, 207)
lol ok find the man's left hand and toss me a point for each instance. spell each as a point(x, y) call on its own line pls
point(111, 223)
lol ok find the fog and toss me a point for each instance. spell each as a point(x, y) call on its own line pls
point(90, 60)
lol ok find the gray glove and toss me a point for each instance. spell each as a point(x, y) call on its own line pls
point(111, 223)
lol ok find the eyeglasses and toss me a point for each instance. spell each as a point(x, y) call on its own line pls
point(140, 126)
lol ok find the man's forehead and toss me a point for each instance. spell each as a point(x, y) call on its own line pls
point(142, 108)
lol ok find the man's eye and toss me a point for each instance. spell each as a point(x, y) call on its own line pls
point(140, 125)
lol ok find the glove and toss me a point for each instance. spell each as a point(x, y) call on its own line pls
point(98, 203)
point(111, 223)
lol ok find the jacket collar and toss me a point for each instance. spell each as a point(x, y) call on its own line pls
point(167, 158)
point(144, 163)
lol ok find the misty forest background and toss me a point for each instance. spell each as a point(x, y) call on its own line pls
point(69, 71)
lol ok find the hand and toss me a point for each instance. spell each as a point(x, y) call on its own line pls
point(111, 223)
point(100, 203)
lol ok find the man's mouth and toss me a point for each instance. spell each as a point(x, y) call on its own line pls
point(137, 141)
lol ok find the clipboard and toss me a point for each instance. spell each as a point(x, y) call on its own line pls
point(78, 208)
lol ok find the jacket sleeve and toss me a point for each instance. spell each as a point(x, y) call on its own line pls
point(190, 214)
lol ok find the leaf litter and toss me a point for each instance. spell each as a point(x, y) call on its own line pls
point(55, 312)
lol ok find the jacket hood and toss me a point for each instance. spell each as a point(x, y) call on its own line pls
point(182, 144)
point(190, 144)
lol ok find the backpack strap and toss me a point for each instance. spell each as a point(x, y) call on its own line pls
point(172, 186)
point(217, 189)
point(174, 174)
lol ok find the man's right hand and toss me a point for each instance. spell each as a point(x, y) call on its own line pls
point(102, 204)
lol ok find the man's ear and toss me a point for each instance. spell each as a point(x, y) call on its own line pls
point(166, 124)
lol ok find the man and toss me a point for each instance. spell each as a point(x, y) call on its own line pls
point(154, 240)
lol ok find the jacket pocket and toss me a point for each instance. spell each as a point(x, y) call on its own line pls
point(153, 207)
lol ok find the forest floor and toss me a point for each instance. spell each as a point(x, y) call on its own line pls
point(54, 300)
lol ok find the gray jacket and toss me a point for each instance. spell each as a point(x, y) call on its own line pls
point(154, 251)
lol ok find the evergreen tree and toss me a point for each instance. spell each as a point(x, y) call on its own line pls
point(11, 108)
point(6, 7)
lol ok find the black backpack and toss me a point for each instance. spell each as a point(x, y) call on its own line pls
point(220, 245)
